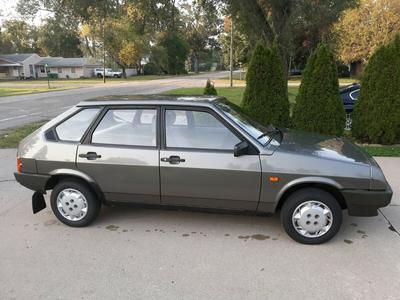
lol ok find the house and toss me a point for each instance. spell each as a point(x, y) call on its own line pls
point(18, 65)
point(66, 67)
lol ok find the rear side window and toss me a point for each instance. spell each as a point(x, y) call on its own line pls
point(129, 127)
point(73, 128)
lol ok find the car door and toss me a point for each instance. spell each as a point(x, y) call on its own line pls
point(121, 154)
point(197, 164)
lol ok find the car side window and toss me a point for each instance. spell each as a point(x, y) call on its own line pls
point(197, 130)
point(129, 127)
point(73, 128)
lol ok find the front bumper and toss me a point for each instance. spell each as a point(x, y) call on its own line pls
point(33, 182)
point(365, 203)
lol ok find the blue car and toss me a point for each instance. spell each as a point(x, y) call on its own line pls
point(349, 96)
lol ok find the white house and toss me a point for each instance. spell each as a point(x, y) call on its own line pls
point(18, 65)
point(66, 67)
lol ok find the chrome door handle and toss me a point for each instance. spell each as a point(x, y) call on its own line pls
point(90, 155)
point(173, 159)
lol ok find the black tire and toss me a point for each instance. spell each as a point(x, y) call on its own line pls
point(93, 204)
point(302, 196)
point(99, 75)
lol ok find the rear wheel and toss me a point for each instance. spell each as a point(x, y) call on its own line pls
point(311, 216)
point(99, 75)
point(74, 204)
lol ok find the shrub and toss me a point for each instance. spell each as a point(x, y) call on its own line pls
point(265, 97)
point(151, 69)
point(376, 117)
point(177, 53)
point(319, 107)
point(210, 89)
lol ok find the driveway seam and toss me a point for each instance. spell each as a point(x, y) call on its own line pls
point(391, 227)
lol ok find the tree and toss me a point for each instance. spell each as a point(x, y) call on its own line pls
point(210, 89)
point(363, 29)
point(58, 38)
point(276, 20)
point(201, 25)
point(177, 53)
point(376, 117)
point(241, 45)
point(18, 36)
point(265, 97)
point(319, 107)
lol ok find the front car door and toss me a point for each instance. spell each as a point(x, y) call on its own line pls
point(197, 164)
point(121, 154)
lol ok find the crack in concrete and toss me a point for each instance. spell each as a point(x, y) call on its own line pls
point(7, 180)
point(391, 227)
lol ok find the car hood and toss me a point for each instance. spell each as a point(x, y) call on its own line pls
point(323, 146)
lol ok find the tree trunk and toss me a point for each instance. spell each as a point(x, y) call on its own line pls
point(196, 63)
point(123, 71)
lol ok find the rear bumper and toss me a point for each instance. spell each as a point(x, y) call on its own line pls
point(33, 182)
point(366, 202)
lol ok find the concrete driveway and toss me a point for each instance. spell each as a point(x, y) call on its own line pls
point(23, 109)
point(132, 253)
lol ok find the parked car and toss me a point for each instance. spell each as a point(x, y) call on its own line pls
point(109, 73)
point(349, 96)
point(199, 152)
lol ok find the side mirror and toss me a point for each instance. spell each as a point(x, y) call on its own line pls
point(240, 149)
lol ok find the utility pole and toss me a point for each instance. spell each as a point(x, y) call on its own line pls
point(104, 52)
point(231, 55)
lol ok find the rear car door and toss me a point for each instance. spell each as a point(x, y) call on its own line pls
point(121, 154)
point(197, 164)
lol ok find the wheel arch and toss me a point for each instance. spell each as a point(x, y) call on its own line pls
point(325, 184)
point(63, 174)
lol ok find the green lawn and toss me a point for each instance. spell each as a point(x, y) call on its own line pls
point(94, 80)
point(382, 150)
point(19, 91)
point(233, 94)
point(12, 137)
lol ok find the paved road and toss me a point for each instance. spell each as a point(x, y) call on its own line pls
point(132, 253)
point(23, 109)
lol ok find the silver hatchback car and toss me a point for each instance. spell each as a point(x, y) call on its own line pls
point(199, 152)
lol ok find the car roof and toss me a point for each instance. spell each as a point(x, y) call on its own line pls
point(192, 100)
point(349, 88)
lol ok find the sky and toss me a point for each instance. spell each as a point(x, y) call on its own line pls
point(8, 10)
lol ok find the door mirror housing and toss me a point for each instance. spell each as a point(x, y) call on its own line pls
point(241, 149)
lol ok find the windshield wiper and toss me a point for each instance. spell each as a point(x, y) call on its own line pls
point(271, 133)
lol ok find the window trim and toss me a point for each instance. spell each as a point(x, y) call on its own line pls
point(164, 108)
point(53, 128)
point(87, 140)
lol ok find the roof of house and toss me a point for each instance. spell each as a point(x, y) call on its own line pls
point(67, 62)
point(48, 60)
point(16, 57)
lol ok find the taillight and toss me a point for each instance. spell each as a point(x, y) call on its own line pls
point(19, 165)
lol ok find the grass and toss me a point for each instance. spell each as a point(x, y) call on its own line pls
point(20, 91)
point(11, 138)
point(393, 151)
point(233, 94)
point(93, 80)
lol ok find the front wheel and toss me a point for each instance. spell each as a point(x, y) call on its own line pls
point(74, 204)
point(311, 216)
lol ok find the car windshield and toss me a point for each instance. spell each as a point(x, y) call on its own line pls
point(254, 129)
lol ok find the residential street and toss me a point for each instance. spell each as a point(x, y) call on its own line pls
point(132, 253)
point(23, 109)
